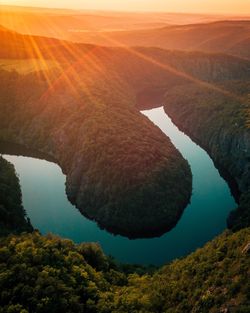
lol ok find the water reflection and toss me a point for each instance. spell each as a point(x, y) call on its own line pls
point(43, 188)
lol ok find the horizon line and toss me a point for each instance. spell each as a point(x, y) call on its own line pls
point(125, 11)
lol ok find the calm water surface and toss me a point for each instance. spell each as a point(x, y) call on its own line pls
point(44, 198)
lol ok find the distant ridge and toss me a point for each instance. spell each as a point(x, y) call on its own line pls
point(230, 37)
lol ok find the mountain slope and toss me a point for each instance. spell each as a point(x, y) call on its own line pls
point(48, 274)
point(222, 128)
point(11, 209)
point(230, 37)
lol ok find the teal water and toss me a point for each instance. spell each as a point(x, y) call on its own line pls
point(44, 198)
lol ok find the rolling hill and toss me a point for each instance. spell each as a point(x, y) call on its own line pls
point(62, 23)
point(230, 37)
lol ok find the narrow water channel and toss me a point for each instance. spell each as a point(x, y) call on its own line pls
point(44, 198)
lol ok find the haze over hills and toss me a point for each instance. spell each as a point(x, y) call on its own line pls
point(231, 37)
point(190, 32)
point(65, 23)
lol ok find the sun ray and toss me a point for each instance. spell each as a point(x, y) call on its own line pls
point(167, 67)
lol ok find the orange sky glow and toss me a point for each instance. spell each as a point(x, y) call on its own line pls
point(192, 6)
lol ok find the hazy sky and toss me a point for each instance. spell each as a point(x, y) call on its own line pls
point(206, 6)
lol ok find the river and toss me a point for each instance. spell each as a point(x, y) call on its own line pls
point(45, 201)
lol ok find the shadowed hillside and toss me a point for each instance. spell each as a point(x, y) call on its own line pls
point(12, 213)
point(222, 128)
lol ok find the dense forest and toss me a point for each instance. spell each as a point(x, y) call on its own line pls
point(222, 127)
point(122, 166)
point(12, 213)
point(48, 274)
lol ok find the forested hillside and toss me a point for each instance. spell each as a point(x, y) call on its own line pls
point(48, 274)
point(12, 213)
point(122, 170)
point(222, 127)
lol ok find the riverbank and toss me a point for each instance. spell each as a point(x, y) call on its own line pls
point(219, 122)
